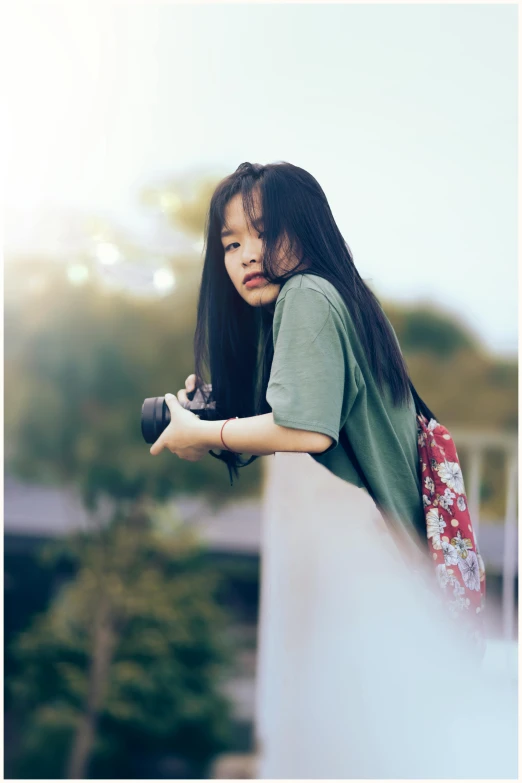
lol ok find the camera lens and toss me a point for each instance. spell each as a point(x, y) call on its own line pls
point(155, 417)
point(155, 413)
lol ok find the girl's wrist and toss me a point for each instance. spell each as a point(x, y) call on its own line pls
point(211, 434)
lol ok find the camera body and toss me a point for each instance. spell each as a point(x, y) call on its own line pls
point(155, 413)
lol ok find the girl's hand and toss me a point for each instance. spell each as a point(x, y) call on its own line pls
point(190, 385)
point(184, 435)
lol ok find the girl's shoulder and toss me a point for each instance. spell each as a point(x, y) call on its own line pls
point(341, 321)
point(311, 282)
point(306, 280)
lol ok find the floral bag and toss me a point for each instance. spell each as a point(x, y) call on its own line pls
point(451, 539)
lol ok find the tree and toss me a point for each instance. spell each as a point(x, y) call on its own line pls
point(130, 654)
point(464, 386)
point(79, 362)
point(426, 329)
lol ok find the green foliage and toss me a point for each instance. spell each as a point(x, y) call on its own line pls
point(79, 363)
point(459, 390)
point(171, 652)
point(460, 382)
point(424, 329)
point(465, 387)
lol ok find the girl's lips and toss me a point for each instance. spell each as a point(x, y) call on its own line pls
point(254, 281)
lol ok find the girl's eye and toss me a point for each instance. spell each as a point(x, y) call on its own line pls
point(227, 248)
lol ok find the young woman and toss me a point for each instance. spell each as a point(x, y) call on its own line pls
point(303, 353)
point(303, 359)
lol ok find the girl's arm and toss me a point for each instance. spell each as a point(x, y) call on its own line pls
point(260, 436)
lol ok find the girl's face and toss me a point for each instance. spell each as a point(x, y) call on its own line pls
point(243, 254)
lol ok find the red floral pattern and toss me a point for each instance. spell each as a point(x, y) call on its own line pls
point(458, 565)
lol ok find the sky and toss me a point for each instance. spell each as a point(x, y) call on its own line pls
point(405, 114)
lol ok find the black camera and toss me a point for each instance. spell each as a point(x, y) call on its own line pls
point(155, 413)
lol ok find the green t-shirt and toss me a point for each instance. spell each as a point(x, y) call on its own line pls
point(321, 381)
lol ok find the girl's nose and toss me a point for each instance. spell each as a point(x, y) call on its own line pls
point(250, 252)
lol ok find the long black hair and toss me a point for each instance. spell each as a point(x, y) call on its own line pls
point(234, 338)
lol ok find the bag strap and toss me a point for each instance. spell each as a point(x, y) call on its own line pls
point(420, 405)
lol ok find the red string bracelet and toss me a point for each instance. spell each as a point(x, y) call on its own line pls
point(223, 442)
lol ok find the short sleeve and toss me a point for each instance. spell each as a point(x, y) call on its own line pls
point(307, 385)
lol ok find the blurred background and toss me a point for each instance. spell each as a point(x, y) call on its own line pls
point(132, 584)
